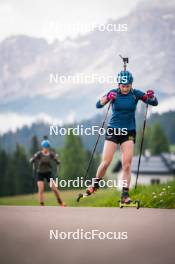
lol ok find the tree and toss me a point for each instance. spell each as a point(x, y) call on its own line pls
point(22, 174)
point(73, 158)
point(4, 162)
point(159, 142)
point(154, 139)
point(147, 141)
point(34, 145)
point(94, 164)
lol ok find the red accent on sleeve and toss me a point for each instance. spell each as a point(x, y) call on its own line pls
point(144, 97)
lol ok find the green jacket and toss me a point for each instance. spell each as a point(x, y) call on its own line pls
point(44, 161)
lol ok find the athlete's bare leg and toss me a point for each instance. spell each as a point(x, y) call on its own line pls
point(40, 185)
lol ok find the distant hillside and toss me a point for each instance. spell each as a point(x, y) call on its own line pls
point(23, 136)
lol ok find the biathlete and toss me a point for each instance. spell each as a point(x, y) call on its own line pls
point(123, 101)
point(43, 159)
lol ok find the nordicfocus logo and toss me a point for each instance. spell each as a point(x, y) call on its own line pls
point(93, 234)
point(82, 78)
point(59, 28)
point(80, 130)
point(81, 183)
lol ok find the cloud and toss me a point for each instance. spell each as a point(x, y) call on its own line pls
point(164, 106)
point(34, 17)
point(13, 121)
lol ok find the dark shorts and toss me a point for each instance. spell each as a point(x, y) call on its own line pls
point(44, 175)
point(115, 135)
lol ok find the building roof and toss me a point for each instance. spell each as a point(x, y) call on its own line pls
point(163, 164)
point(159, 164)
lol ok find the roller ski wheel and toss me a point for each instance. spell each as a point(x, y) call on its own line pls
point(79, 197)
point(135, 204)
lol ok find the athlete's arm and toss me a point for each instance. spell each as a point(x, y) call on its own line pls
point(147, 98)
point(35, 157)
point(55, 158)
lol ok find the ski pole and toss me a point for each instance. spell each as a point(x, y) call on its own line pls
point(96, 143)
point(141, 145)
point(33, 178)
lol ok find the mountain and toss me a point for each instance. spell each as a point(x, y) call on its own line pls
point(27, 63)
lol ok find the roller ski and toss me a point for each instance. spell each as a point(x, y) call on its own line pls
point(90, 190)
point(126, 201)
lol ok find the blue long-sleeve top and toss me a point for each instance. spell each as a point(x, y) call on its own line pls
point(124, 107)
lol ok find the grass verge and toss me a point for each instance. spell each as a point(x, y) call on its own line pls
point(153, 196)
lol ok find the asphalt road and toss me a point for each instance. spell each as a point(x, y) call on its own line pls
point(25, 235)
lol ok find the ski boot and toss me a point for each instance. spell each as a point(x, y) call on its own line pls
point(126, 200)
point(125, 196)
point(90, 190)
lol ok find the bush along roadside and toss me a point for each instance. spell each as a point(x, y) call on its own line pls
point(156, 196)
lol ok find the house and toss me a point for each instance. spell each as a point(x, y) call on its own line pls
point(153, 168)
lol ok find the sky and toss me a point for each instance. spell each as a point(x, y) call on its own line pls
point(51, 19)
point(57, 18)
